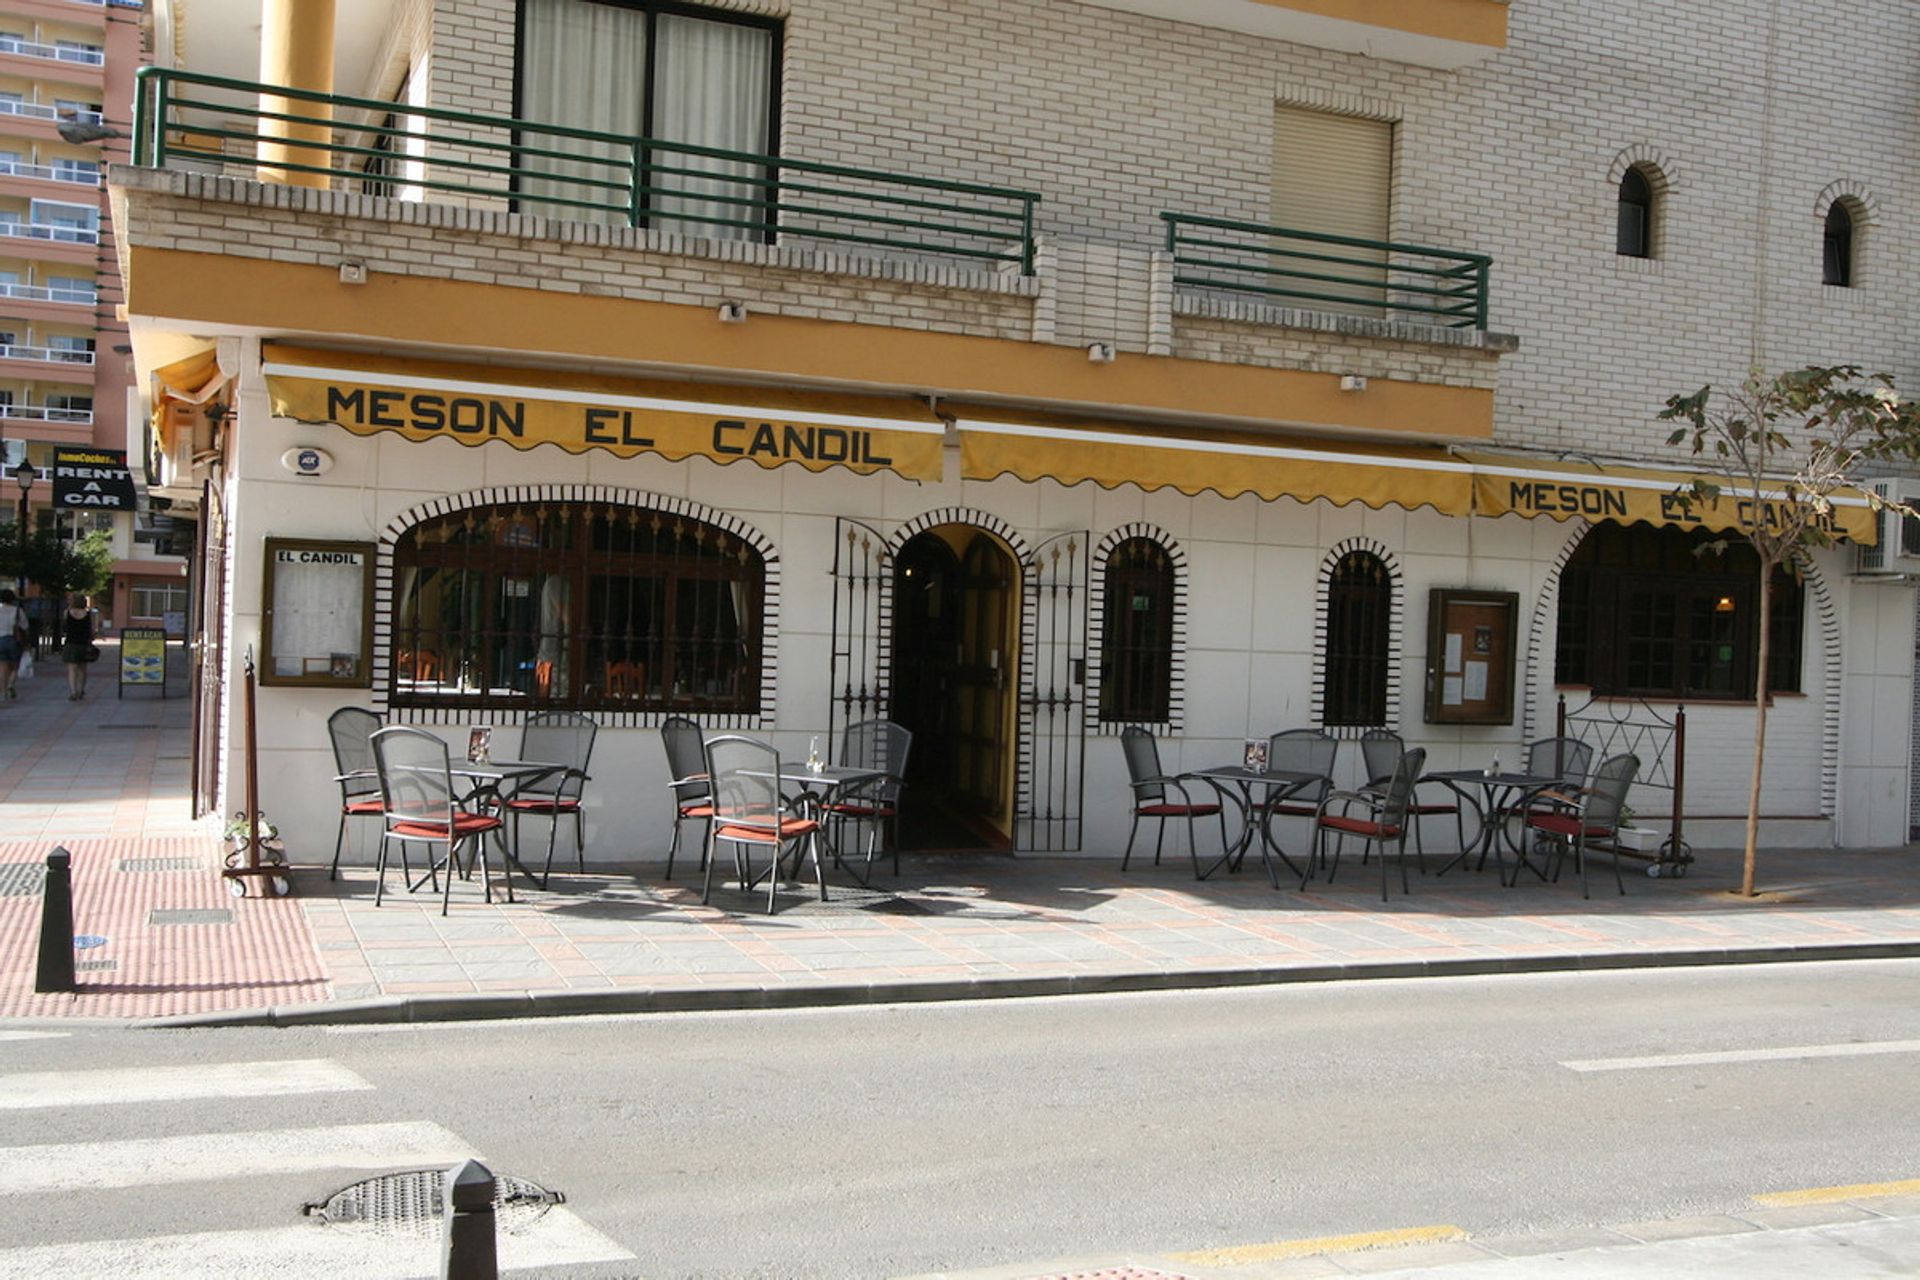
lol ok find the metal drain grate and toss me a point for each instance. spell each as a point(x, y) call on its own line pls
point(22, 879)
point(408, 1204)
point(161, 864)
point(190, 915)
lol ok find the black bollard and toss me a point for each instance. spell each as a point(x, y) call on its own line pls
point(55, 972)
point(466, 1224)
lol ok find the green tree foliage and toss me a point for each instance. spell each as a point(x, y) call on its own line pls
point(1781, 448)
point(57, 566)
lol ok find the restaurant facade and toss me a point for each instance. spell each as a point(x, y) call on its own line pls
point(787, 364)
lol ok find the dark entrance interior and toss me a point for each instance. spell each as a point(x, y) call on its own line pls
point(954, 672)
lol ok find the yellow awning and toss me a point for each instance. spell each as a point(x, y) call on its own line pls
point(1564, 490)
point(1229, 463)
point(192, 380)
point(473, 404)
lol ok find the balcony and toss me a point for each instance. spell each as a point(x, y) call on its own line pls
point(53, 53)
point(486, 232)
point(49, 173)
point(46, 355)
point(1443, 34)
point(47, 293)
point(45, 413)
point(44, 231)
point(40, 111)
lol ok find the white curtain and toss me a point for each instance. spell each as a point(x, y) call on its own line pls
point(713, 83)
point(584, 67)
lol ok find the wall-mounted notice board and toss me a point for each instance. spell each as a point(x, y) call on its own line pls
point(318, 628)
point(1470, 655)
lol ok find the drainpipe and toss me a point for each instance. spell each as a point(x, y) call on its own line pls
point(296, 50)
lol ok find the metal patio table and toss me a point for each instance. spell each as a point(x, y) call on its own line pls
point(1235, 783)
point(1500, 797)
point(491, 783)
point(816, 790)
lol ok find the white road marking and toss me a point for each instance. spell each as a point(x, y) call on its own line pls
point(310, 1251)
point(33, 1035)
point(27, 1090)
point(206, 1157)
point(1657, 1061)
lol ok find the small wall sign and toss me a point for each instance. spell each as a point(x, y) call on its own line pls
point(307, 460)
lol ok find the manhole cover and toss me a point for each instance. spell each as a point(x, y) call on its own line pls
point(408, 1204)
point(22, 879)
point(161, 864)
point(190, 915)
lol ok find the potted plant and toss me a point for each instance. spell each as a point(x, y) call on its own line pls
point(1638, 839)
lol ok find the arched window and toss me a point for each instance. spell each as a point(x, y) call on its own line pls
point(1634, 238)
point(1359, 636)
point(576, 604)
point(1837, 258)
point(1136, 639)
point(1649, 612)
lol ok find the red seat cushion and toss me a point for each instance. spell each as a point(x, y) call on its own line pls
point(790, 829)
point(846, 810)
point(701, 810)
point(464, 825)
point(543, 804)
point(1359, 826)
point(1566, 824)
point(1172, 810)
point(1432, 808)
point(1290, 810)
point(357, 807)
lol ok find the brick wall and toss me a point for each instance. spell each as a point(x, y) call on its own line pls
point(1114, 118)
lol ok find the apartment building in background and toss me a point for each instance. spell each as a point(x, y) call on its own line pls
point(66, 81)
point(1021, 371)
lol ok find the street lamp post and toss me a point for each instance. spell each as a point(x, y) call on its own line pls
point(23, 476)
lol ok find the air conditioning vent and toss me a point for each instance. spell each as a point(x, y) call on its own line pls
point(1898, 547)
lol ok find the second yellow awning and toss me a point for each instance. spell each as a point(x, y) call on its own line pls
point(1229, 463)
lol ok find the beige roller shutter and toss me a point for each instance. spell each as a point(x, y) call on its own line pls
point(1334, 175)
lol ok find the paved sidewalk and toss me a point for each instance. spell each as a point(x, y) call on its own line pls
point(108, 779)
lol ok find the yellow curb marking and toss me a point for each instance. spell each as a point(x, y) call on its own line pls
point(1832, 1195)
point(1241, 1254)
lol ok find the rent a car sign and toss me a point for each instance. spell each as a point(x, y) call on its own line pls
point(96, 478)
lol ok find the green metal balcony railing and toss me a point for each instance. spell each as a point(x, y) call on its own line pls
point(365, 146)
point(1330, 273)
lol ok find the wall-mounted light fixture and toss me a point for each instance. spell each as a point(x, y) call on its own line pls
point(1100, 352)
point(353, 272)
point(733, 313)
point(1353, 382)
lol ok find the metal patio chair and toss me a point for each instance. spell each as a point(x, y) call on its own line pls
point(416, 780)
point(1303, 751)
point(881, 745)
point(554, 737)
point(351, 730)
point(1381, 820)
point(1154, 795)
point(687, 779)
point(1589, 816)
point(1380, 751)
point(749, 812)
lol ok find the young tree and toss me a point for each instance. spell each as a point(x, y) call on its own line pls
point(1782, 448)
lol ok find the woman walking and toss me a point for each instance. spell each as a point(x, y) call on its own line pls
point(13, 635)
point(76, 645)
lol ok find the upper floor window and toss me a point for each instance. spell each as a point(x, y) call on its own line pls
point(1634, 236)
point(1646, 612)
point(1136, 639)
point(1837, 246)
point(654, 70)
point(1333, 175)
point(585, 605)
point(1359, 638)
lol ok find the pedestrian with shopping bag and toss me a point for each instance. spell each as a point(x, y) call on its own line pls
point(13, 641)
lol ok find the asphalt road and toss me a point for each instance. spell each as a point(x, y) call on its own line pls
point(892, 1141)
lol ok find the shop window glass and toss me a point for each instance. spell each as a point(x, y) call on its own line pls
point(1136, 642)
point(1359, 638)
point(580, 605)
point(1661, 613)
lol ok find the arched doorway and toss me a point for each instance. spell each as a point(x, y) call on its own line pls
point(956, 612)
